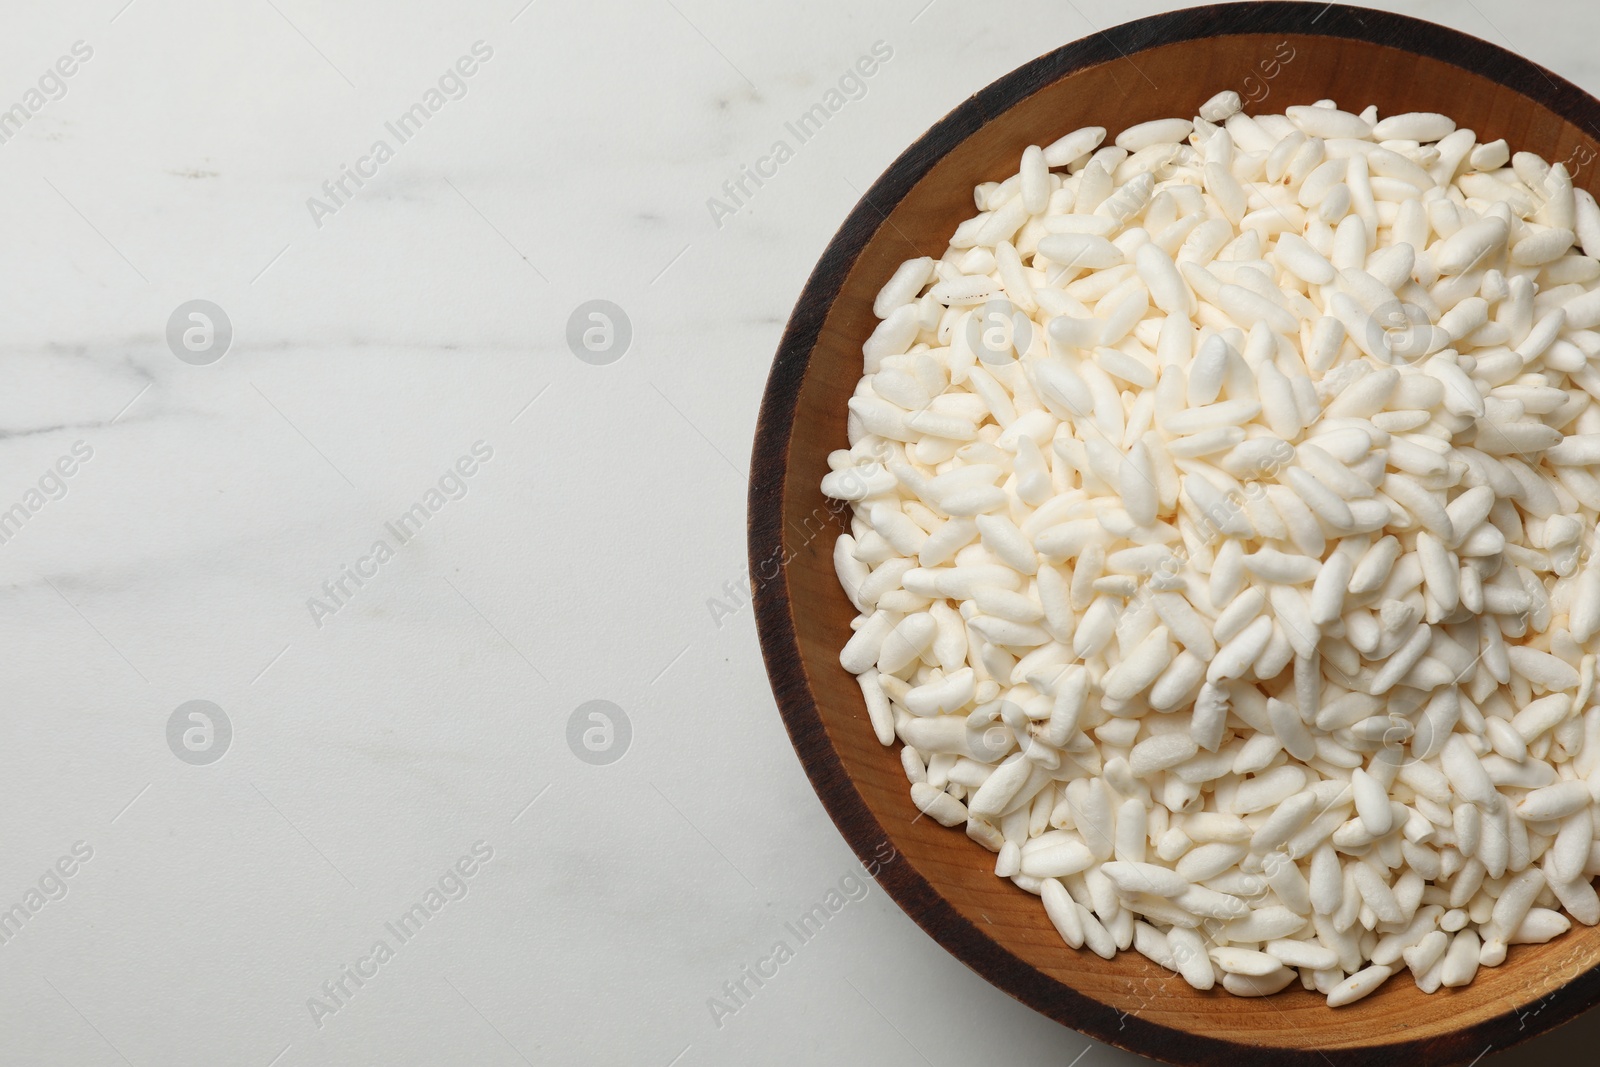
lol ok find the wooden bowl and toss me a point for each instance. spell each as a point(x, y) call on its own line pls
point(1274, 55)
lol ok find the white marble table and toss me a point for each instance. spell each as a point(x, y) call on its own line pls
point(406, 728)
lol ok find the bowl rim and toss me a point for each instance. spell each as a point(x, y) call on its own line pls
point(767, 557)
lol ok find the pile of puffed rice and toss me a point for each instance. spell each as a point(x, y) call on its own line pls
point(1222, 507)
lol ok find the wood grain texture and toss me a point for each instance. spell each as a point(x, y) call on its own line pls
point(1156, 67)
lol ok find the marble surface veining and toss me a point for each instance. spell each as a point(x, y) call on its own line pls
point(412, 725)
